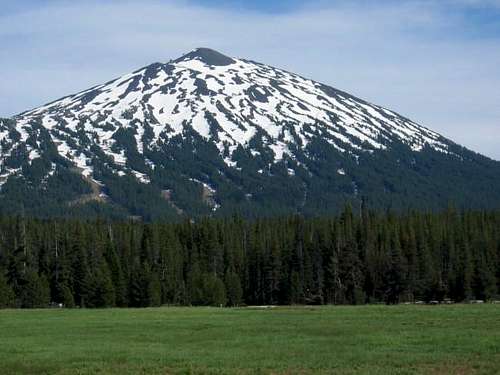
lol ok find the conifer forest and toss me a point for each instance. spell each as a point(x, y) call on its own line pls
point(352, 258)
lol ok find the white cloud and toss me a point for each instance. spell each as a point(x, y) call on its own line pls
point(409, 56)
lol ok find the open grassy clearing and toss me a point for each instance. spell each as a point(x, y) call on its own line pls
point(405, 339)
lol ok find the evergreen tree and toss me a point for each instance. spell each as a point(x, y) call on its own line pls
point(484, 283)
point(35, 291)
point(296, 291)
point(67, 298)
point(101, 292)
point(139, 286)
point(80, 270)
point(333, 282)
point(214, 291)
point(117, 275)
point(393, 276)
point(7, 296)
point(154, 290)
point(196, 285)
point(233, 289)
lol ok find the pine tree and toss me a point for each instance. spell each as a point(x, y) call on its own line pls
point(16, 269)
point(35, 292)
point(233, 289)
point(394, 274)
point(316, 296)
point(484, 281)
point(79, 268)
point(154, 290)
point(67, 298)
point(296, 291)
point(195, 285)
point(333, 283)
point(272, 273)
point(214, 291)
point(351, 275)
point(101, 292)
point(117, 275)
point(139, 286)
point(7, 296)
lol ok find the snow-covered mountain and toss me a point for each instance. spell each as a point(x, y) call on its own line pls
point(251, 119)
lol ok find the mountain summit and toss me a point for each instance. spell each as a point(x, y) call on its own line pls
point(207, 56)
point(210, 134)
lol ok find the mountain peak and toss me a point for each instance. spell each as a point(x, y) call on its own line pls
point(210, 133)
point(207, 56)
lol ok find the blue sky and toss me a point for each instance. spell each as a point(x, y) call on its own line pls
point(437, 62)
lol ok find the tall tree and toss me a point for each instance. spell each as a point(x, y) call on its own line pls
point(7, 296)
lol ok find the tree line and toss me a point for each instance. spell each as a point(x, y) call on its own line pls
point(352, 258)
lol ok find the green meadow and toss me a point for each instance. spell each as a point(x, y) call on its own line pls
point(403, 339)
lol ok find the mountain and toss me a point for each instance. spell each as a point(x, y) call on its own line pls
point(208, 134)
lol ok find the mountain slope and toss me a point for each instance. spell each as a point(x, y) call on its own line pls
point(209, 134)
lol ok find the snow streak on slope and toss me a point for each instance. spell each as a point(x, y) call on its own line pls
point(226, 101)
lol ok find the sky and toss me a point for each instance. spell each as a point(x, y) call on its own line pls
point(436, 62)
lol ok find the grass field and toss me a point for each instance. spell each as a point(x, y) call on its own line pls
point(457, 339)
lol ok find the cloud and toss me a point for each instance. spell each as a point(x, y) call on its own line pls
point(478, 3)
point(416, 57)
